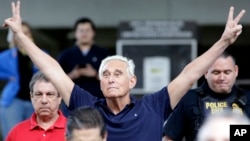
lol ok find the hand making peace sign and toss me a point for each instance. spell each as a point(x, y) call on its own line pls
point(15, 22)
point(233, 29)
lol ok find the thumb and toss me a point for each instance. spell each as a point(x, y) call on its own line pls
point(237, 28)
point(7, 22)
point(238, 33)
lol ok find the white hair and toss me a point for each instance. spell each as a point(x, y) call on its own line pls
point(129, 62)
point(220, 122)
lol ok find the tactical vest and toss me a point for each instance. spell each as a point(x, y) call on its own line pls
point(240, 99)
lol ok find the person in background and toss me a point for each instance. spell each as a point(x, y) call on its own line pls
point(126, 117)
point(17, 68)
point(82, 61)
point(86, 124)
point(47, 122)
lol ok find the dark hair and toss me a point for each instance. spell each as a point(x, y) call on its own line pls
point(83, 21)
point(226, 54)
point(85, 118)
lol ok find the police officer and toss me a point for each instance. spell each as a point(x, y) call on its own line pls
point(218, 93)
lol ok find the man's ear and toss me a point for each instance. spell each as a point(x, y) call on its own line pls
point(60, 99)
point(205, 75)
point(133, 81)
point(31, 95)
point(236, 70)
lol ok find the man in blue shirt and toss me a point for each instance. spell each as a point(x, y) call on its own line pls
point(82, 61)
point(126, 118)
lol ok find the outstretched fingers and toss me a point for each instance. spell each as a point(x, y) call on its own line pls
point(18, 8)
point(240, 15)
point(15, 9)
point(14, 22)
point(230, 14)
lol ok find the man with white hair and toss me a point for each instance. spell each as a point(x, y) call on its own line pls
point(126, 118)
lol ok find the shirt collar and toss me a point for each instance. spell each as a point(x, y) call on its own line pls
point(60, 122)
point(133, 100)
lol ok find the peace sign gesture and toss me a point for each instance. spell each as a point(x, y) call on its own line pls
point(233, 29)
point(15, 22)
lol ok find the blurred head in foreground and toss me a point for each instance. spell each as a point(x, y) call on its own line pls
point(217, 126)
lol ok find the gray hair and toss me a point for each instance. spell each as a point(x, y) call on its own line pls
point(38, 76)
point(129, 62)
point(227, 116)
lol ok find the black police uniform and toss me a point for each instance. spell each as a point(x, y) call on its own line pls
point(197, 104)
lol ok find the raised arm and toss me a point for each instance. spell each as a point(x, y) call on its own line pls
point(195, 69)
point(43, 61)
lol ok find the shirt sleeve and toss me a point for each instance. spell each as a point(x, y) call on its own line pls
point(79, 97)
point(174, 125)
point(160, 102)
point(6, 68)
